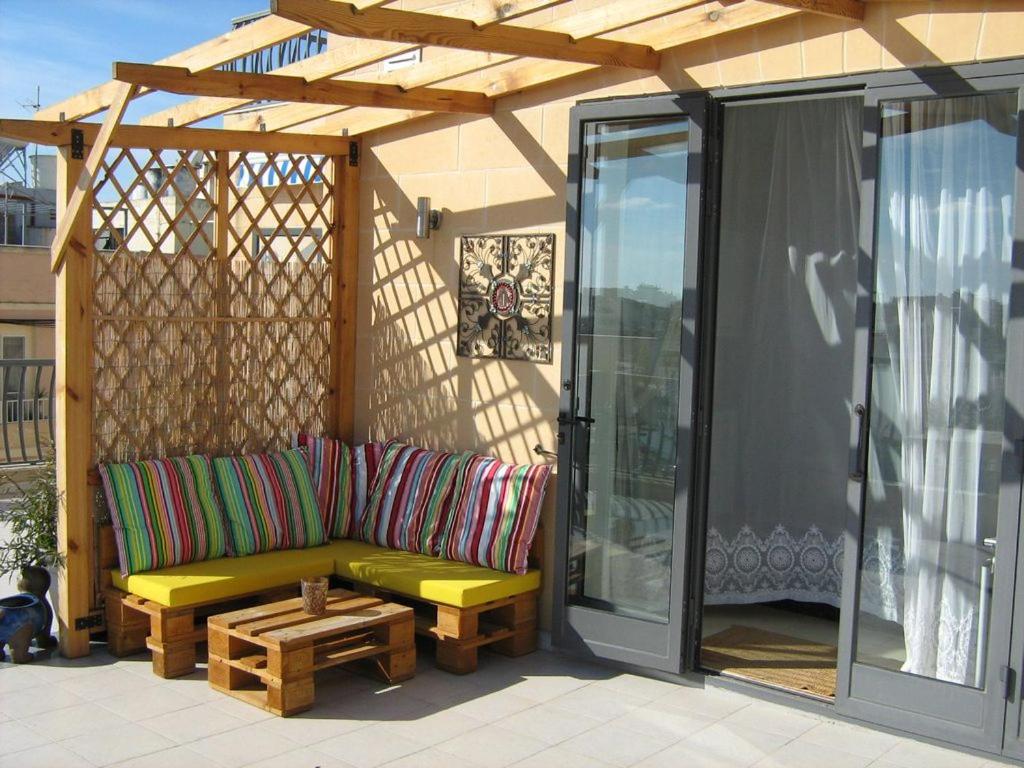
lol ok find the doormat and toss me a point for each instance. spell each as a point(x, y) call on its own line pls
point(779, 660)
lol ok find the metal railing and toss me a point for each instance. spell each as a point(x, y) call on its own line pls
point(26, 410)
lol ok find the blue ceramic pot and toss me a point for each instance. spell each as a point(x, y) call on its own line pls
point(17, 611)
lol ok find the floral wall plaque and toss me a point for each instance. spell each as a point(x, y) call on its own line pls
point(505, 297)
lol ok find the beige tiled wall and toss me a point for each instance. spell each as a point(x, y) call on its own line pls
point(507, 173)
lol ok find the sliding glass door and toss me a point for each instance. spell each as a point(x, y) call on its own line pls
point(935, 479)
point(626, 409)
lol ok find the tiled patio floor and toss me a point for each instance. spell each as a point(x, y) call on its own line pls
point(540, 710)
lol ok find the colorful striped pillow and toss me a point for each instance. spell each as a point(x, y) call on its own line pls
point(494, 513)
point(164, 512)
point(330, 467)
point(269, 502)
point(408, 505)
point(365, 461)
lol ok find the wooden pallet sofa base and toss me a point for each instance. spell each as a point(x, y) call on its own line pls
point(507, 626)
point(172, 634)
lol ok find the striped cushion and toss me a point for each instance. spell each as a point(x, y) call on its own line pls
point(494, 513)
point(164, 512)
point(330, 467)
point(409, 501)
point(269, 502)
point(365, 460)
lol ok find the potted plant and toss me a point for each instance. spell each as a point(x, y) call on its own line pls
point(31, 541)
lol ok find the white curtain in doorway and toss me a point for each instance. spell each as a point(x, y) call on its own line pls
point(943, 275)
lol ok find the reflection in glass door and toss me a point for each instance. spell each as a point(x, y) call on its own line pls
point(631, 386)
point(936, 498)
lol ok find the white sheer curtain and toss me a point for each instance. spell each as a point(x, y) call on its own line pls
point(944, 248)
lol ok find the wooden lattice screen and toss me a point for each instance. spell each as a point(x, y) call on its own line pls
point(212, 295)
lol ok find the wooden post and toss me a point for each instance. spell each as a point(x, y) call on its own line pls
point(73, 353)
point(346, 289)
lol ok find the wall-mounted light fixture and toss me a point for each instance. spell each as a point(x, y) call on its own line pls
point(426, 218)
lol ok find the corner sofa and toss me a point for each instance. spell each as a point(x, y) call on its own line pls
point(451, 534)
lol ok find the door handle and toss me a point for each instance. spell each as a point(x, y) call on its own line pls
point(861, 460)
point(570, 421)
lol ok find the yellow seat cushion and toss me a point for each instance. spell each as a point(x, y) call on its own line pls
point(429, 578)
point(227, 577)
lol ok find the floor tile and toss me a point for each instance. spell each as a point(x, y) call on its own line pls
point(176, 757)
point(369, 747)
point(687, 755)
point(15, 736)
point(193, 723)
point(558, 757)
point(636, 685)
point(736, 743)
point(850, 738)
point(106, 748)
point(543, 688)
point(549, 724)
point(707, 701)
point(299, 758)
point(106, 683)
point(600, 703)
point(492, 747)
point(46, 756)
point(242, 746)
point(309, 728)
point(617, 746)
point(773, 718)
point(429, 758)
point(16, 678)
point(663, 721)
point(916, 754)
point(36, 700)
point(495, 706)
point(802, 755)
point(436, 727)
point(147, 703)
point(78, 720)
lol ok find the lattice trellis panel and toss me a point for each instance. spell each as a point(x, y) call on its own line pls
point(212, 308)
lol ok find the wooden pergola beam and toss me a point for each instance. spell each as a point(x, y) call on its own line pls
point(57, 134)
point(354, 54)
point(448, 32)
point(211, 53)
point(351, 93)
point(596, 20)
point(843, 9)
point(63, 238)
point(689, 26)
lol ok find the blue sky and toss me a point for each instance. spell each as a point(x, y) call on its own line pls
point(65, 46)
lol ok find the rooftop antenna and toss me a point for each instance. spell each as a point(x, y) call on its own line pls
point(33, 105)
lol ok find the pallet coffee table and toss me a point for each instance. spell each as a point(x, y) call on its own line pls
point(267, 655)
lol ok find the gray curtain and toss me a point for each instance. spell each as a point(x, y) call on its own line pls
point(783, 354)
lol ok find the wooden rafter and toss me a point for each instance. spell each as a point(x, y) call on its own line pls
point(63, 238)
point(57, 134)
point(595, 20)
point(227, 47)
point(355, 53)
point(843, 9)
point(296, 89)
point(448, 32)
point(689, 26)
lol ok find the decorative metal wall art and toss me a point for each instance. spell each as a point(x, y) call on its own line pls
point(505, 297)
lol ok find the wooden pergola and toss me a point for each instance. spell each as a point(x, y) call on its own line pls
point(488, 49)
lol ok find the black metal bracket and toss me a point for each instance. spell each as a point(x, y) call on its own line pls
point(77, 144)
point(353, 153)
point(91, 621)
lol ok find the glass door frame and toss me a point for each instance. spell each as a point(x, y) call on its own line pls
point(942, 710)
point(584, 630)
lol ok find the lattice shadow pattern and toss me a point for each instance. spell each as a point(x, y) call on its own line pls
point(211, 307)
